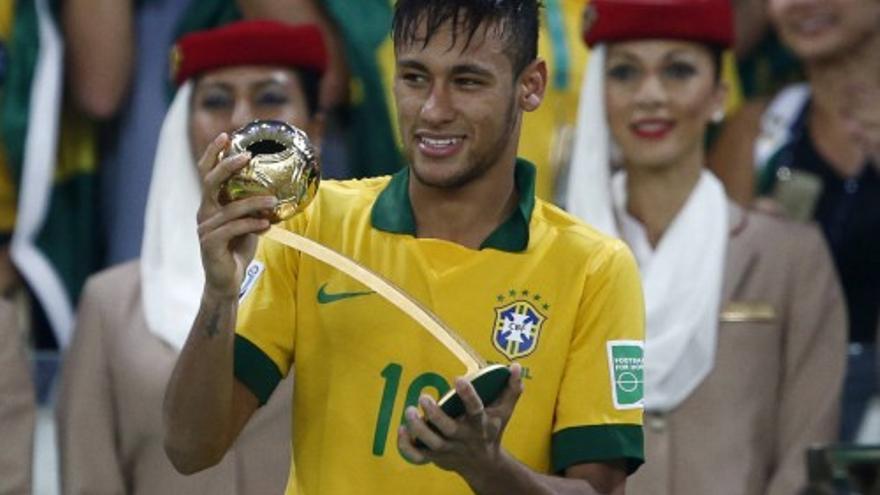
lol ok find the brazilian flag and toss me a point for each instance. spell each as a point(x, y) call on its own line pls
point(47, 164)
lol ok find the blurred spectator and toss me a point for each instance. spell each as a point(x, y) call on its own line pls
point(368, 116)
point(134, 318)
point(99, 61)
point(744, 349)
point(8, 275)
point(117, 75)
point(750, 25)
point(17, 407)
point(47, 170)
point(765, 64)
point(206, 14)
point(814, 150)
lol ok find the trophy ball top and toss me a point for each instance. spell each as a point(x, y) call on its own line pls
point(283, 163)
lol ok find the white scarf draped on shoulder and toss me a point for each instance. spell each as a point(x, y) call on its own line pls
point(171, 265)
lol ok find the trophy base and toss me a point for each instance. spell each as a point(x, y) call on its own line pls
point(488, 382)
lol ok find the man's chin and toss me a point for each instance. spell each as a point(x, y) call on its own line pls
point(438, 181)
point(440, 175)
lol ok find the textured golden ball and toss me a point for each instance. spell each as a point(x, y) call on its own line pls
point(283, 164)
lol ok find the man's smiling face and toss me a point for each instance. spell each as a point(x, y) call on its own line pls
point(456, 104)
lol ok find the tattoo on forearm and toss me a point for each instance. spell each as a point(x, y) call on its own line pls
point(212, 328)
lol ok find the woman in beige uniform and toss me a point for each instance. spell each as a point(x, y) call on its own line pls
point(134, 318)
point(745, 333)
point(17, 407)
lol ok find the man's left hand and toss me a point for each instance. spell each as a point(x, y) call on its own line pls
point(470, 444)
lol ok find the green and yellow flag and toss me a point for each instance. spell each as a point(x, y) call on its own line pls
point(47, 164)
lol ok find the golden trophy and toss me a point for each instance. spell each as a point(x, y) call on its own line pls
point(285, 164)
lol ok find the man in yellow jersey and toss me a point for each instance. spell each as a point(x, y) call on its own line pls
point(461, 231)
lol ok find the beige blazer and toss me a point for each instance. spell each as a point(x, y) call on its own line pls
point(109, 413)
point(777, 378)
point(17, 407)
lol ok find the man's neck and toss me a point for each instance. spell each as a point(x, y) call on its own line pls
point(465, 215)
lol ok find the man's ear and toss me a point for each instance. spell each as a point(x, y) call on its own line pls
point(533, 83)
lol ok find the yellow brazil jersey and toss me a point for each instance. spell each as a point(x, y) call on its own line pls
point(543, 290)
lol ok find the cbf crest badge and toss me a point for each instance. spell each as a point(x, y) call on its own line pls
point(518, 324)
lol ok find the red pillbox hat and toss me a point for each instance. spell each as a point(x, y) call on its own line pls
point(256, 42)
point(707, 21)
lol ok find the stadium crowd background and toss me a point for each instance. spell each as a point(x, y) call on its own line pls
point(85, 85)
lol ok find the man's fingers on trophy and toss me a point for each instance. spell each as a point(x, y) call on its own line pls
point(444, 424)
point(407, 447)
point(417, 428)
point(249, 207)
point(209, 157)
point(514, 385)
point(510, 395)
point(473, 405)
point(224, 170)
point(234, 229)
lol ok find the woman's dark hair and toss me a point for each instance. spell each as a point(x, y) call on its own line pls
point(717, 54)
point(310, 80)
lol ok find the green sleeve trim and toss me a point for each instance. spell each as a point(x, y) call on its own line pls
point(254, 369)
point(601, 443)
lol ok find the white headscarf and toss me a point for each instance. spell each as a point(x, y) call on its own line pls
point(171, 265)
point(682, 278)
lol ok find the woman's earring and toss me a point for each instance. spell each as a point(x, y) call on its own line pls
point(718, 116)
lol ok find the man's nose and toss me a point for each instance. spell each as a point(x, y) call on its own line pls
point(438, 107)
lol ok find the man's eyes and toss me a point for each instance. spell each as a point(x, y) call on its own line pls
point(413, 77)
point(468, 82)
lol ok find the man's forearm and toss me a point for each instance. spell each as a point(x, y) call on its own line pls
point(511, 476)
point(198, 401)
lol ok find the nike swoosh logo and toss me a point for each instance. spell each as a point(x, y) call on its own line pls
point(325, 297)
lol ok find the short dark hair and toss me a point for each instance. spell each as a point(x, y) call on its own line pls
point(517, 22)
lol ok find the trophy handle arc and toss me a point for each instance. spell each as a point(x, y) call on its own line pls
point(393, 294)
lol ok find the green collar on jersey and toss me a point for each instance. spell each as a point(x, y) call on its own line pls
point(392, 211)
